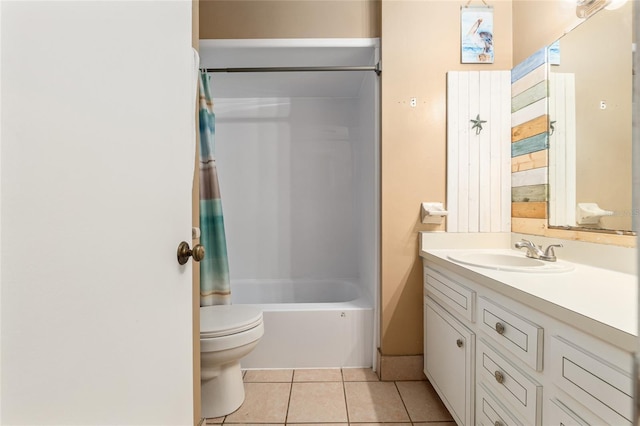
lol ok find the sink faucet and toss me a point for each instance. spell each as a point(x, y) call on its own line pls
point(536, 252)
point(533, 251)
point(549, 253)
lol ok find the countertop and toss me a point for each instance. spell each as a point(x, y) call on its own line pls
point(598, 301)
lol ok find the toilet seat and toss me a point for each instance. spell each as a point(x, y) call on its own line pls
point(226, 320)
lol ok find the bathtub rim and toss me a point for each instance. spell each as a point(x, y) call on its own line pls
point(360, 302)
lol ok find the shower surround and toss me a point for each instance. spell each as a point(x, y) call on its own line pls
point(298, 161)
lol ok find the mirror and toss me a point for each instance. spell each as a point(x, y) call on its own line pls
point(590, 113)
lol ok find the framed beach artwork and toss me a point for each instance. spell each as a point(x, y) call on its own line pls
point(476, 24)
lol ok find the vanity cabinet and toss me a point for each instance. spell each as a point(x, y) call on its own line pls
point(495, 361)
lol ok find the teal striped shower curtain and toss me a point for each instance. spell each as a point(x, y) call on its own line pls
point(214, 268)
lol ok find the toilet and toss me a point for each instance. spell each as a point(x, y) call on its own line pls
point(227, 333)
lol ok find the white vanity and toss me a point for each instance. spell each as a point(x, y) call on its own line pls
point(522, 346)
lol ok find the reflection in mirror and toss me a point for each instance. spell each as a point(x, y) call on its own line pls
point(590, 101)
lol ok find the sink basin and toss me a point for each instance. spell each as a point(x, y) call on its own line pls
point(506, 261)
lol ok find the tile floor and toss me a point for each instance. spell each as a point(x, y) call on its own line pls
point(337, 397)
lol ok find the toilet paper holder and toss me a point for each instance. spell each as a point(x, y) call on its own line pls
point(432, 212)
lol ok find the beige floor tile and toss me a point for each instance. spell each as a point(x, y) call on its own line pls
point(451, 423)
point(359, 375)
point(214, 421)
point(321, 375)
point(263, 424)
point(381, 424)
point(319, 424)
point(263, 403)
point(422, 402)
point(374, 402)
point(317, 403)
point(268, 376)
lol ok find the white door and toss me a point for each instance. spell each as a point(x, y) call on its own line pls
point(96, 172)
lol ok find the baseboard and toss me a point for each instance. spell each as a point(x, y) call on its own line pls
point(400, 367)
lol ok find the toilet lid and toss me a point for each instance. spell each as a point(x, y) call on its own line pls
point(223, 320)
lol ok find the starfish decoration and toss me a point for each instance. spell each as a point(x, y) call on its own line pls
point(477, 124)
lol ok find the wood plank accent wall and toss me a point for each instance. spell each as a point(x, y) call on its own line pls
point(478, 163)
point(529, 141)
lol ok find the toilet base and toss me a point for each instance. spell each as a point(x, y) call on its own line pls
point(223, 394)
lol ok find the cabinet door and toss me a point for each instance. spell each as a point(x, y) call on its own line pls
point(449, 352)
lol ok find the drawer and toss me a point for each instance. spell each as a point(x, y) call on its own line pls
point(559, 414)
point(450, 293)
point(490, 412)
point(603, 387)
point(520, 336)
point(509, 384)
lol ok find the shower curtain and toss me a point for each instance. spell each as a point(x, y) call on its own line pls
point(214, 268)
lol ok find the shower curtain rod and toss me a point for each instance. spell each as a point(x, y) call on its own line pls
point(375, 68)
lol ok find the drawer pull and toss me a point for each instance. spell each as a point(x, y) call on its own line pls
point(499, 328)
point(459, 343)
point(498, 423)
point(499, 377)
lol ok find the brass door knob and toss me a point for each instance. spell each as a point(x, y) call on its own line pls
point(459, 342)
point(184, 252)
point(499, 376)
point(499, 328)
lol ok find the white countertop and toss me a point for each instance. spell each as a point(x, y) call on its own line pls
point(599, 301)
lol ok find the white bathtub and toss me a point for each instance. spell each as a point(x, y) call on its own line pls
point(309, 324)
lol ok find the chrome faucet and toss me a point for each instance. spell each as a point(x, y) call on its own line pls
point(549, 253)
point(536, 252)
point(533, 251)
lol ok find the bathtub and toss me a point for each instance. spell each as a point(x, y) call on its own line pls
point(309, 323)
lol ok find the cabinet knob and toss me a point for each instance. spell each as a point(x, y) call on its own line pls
point(499, 376)
point(459, 343)
point(499, 328)
point(498, 423)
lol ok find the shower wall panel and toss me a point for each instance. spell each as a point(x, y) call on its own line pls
point(367, 181)
point(289, 191)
